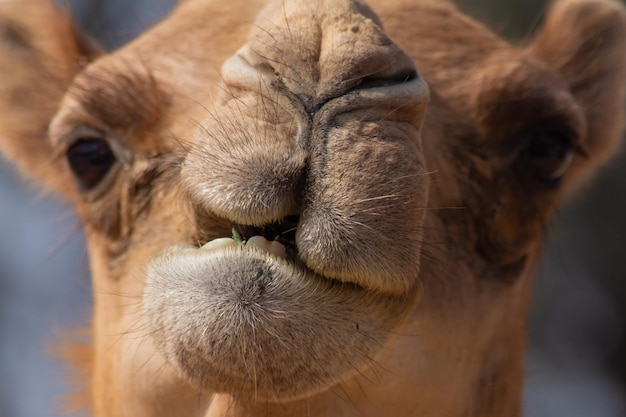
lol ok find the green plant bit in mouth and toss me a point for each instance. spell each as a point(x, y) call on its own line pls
point(237, 236)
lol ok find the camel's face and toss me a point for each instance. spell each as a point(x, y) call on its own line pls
point(317, 153)
point(370, 229)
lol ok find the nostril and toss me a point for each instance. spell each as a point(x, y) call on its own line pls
point(312, 105)
point(400, 77)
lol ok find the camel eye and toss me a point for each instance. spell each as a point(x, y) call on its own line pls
point(90, 160)
point(548, 156)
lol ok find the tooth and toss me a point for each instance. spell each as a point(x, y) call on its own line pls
point(260, 242)
point(222, 242)
point(276, 248)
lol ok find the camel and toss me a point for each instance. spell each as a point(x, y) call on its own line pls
point(312, 207)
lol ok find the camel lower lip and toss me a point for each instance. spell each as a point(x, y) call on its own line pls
point(228, 315)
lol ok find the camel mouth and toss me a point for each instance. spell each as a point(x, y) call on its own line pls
point(278, 238)
point(230, 314)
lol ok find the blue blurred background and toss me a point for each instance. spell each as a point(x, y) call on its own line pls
point(577, 357)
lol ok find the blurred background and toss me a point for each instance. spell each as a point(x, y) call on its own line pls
point(577, 355)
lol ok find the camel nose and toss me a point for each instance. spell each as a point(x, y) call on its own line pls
point(346, 49)
point(305, 64)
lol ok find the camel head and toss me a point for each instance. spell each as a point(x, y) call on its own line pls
point(320, 207)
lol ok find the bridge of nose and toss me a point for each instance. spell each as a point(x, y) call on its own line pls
point(321, 49)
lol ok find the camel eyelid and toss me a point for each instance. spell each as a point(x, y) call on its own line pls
point(64, 141)
point(61, 141)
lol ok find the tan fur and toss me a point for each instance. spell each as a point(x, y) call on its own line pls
point(395, 139)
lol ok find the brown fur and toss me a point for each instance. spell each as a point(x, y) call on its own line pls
point(396, 137)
